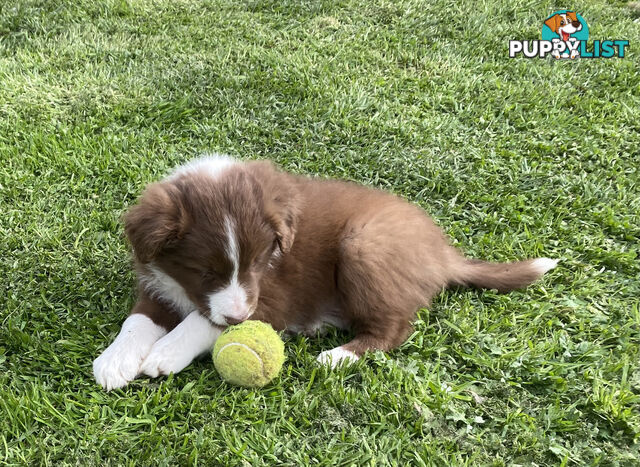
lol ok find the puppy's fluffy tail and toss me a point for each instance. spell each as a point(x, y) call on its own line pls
point(501, 276)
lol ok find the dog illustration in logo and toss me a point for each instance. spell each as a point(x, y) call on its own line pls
point(564, 24)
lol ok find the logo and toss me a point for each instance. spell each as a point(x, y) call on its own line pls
point(564, 36)
point(566, 27)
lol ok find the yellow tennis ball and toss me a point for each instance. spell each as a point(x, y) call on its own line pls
point(249, 354)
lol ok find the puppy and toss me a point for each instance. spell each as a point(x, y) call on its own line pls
point(564, 24)
point(220, 241)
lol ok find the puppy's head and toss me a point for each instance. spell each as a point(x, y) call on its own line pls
point(215, 235)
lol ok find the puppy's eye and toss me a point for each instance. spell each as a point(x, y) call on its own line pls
point(211, 273)
point(562, 23)
point(193, 270)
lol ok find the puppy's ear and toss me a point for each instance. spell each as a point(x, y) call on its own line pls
point(283, 220)
point(158, 219)
point(553, 23)
point(281, 201)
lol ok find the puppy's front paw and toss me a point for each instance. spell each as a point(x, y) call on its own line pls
point(336, 356)
point(118, 364)
point(164, 358)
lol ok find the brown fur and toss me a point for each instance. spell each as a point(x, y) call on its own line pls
point(362, 256)
point(160, 313)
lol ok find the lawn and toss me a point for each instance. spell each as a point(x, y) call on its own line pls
point(514, 158)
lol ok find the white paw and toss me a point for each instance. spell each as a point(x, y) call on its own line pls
point(165, 357)
point(120, 362)
point(117, 365)
point(192, 337)
point(336, 356)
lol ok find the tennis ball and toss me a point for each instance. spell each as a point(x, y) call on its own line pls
point(249, 354)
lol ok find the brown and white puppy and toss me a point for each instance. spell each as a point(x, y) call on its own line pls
point(564, 24)
point(220, 241)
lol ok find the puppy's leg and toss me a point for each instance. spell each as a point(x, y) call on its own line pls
point(353, 350)
point(381, 285)
point(120, 362)
point(171, 354)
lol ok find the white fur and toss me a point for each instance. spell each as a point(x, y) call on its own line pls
point(232, 300)
point(316, 327)
point(171, 354)
point(336, 356)
point(311, 330)
point(159, 284)
point(212, 165)
point(120, 362)
point(542, 265)
point(275, 257)
point(232, 247)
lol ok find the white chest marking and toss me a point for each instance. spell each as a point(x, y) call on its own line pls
point(160, 285)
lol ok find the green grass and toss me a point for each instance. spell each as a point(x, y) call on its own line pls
point(513, 158)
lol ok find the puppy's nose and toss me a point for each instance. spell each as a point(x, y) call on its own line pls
point(231, 321)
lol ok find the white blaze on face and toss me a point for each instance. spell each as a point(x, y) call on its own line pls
point(232, 300)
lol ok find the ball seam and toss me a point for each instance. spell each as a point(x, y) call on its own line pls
point(249, 349)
